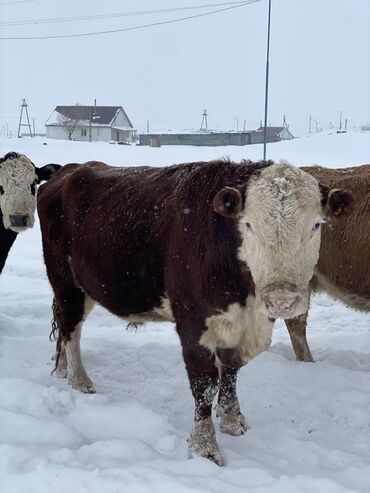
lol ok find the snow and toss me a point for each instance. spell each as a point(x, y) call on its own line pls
point(309, 423)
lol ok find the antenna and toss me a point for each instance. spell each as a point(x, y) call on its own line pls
point(24, 107)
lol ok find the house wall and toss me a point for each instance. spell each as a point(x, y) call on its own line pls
point(97, 133)
point(54, 132)
point(121, 120)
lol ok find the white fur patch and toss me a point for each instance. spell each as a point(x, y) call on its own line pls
point(279, 245)
point(16, 178)
point(247, 329)
point(162, 313)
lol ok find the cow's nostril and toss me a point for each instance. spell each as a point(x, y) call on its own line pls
point(18, 221)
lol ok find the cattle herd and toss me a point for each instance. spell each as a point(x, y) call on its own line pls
point(222, 249)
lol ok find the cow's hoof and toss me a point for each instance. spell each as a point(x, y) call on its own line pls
point(202, 441)
point(83, 384)
point(307, 358)
point(234, 425)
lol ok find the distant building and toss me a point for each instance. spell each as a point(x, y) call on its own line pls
point(212, 139)
point(275, 134)
point(95, 123)
point(205, 138)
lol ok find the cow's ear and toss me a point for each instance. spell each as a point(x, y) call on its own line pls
point(335, 201)
point(228, 202)
point(46, 172)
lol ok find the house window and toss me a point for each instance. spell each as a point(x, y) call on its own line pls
point(83, 132)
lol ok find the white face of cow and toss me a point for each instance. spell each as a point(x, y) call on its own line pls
point(17, 192)
point(280, 225)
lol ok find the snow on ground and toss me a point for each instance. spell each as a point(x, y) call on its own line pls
point(310, 423)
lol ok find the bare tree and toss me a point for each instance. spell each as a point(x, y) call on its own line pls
point(68, 124)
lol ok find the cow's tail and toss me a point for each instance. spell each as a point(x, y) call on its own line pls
point(55, 334)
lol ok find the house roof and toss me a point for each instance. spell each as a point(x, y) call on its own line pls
point(272, 131)
point(100, 115)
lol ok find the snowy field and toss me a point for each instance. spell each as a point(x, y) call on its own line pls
point(309, 423)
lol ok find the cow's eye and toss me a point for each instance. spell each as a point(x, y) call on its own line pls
point(248, 225)
point(1, 190)
point(316, 226)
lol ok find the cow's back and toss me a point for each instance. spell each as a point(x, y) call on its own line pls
point(344, 263)
point(130, 233)
point(99, 219)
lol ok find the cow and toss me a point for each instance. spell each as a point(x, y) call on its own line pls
point(18, 181)
point(220, 248)
point(343, 269)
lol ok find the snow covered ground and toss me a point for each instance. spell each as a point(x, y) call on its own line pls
point(310, 423)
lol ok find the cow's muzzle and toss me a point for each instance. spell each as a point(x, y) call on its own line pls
point(282, 304)
point(19, 221)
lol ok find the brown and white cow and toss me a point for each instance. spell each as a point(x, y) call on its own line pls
point(18, 181)
point(343, 270)
point(220, 248)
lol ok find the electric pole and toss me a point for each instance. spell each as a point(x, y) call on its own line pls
point(267, 80)
point(24, 107)
point(204, 121)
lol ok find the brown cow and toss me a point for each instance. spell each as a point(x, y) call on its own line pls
point(220, 248)
point(343, 270)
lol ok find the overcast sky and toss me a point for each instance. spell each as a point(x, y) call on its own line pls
point(319, 65)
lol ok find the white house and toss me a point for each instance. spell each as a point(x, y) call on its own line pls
point(90, 123)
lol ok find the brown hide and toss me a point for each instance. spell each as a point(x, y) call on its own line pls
point(129, 237)
point(344, 263)
point(129, 232)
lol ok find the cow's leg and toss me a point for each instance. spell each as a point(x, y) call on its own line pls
point(203, 378)
point(61, 367)
point(297, 331)
point(232, 421)
point(7, 238)
point(77, 376)
point(71, 306)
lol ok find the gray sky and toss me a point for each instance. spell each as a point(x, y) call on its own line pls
point(319, 63)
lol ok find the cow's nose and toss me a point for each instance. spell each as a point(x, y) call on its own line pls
point(18, 221)
point(281, 304)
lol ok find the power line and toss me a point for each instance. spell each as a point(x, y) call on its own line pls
point(17, 1)
point(111, 15)
point(133, 28)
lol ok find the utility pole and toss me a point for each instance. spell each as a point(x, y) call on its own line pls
point(310, 126)
point(340, 120)
point(237, 123)
point(267, 80)
point(147, 126)
point(24, 107)
point(204, 121)
point(89, 123)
